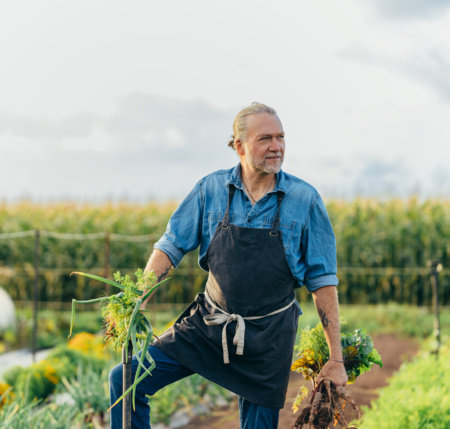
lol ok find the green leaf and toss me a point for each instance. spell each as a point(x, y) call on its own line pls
point(148, 326)
point(141, 359)
point(375, 357)
point(100, 279)
point(136, 382)
point(153, 288)
point(132, 320)
point(88, 301)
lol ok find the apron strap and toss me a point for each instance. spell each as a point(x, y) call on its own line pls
point(276, 222)
point(226, 216)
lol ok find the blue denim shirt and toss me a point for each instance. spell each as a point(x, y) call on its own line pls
point(306, 230)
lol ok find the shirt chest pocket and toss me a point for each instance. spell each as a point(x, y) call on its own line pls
point(214, 217)
point(287, 227)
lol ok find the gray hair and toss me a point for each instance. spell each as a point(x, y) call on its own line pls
point(240, 121)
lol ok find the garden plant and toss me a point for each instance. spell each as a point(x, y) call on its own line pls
point(124, 320)
point(326, 400)
point(421, 394)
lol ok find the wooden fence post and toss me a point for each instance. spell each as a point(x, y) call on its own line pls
point(35, 294)
point(107, 267)
point(436, 267)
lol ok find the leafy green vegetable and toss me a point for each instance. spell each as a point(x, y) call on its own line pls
point(124, 321)
point(417, 396)
point(312, 353)
point(359, 354)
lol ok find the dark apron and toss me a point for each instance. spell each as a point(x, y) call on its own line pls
point(249, 277)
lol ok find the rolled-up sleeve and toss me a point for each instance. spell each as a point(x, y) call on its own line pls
point(319, 248)
point(183, 231)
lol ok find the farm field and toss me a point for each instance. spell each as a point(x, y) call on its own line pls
point(398, 319)
point(386, 254)
point(393, 348)
point(363, 391)
point(384, 248)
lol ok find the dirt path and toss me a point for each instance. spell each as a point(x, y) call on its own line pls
point(393, 351)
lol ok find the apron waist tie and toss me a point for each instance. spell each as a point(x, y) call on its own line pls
point(224, 317)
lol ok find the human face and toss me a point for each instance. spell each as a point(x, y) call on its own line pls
point(263, 148)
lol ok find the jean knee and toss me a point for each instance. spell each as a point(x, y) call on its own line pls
point(116, 376)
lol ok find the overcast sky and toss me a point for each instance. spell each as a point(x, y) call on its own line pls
point(111, 99)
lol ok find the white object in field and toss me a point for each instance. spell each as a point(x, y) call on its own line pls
point(7, 311)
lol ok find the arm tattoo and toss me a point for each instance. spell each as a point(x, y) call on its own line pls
point(164, 274)
point(323, 318)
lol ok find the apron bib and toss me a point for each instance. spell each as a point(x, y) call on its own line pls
point(240, 333)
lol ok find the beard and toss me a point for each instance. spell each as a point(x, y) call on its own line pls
point(266, 165)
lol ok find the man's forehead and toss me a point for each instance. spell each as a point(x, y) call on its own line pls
point(264, 123)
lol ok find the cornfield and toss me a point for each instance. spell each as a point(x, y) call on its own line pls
point(383, 249)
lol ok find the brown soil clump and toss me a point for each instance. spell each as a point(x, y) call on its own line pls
point(324, 406)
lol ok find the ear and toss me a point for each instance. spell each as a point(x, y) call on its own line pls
point(239, 147)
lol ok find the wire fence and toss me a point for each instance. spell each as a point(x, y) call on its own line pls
point(387, 281)
point(36, 268)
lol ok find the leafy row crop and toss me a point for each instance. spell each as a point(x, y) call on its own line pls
point(69, 389)
point(372, 235)
point(420, 392)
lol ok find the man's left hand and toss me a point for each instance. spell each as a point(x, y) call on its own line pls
point(335, 371)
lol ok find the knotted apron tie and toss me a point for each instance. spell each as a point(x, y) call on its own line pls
point(224, 317)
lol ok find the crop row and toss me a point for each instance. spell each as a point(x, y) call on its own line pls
point(383, 249)
point(420, 394)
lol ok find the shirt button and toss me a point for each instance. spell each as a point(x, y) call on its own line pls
point(249, 220)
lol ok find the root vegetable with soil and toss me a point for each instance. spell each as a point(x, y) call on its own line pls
point(326, 401)
point(326, 404)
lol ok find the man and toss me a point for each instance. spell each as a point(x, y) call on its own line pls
point(261, 233)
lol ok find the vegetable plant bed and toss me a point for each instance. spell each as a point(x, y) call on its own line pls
point(393, 351)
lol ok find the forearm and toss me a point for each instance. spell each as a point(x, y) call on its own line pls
point(160, 264)
point(327, 305)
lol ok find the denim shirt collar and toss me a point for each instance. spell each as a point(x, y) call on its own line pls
point(235, 180)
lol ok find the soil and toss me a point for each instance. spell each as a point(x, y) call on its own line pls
point(393, 351)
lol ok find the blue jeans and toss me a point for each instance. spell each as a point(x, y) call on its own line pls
point(168, 371)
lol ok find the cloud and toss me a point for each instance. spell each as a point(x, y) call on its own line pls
point(430, 67)
point(167, 128)
point(76, 126)
point(360, 174)
point(378, 177)
point(157, 147)
point(440, 181)
point(151, 146)
point(406, 9)
point(143, 124)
